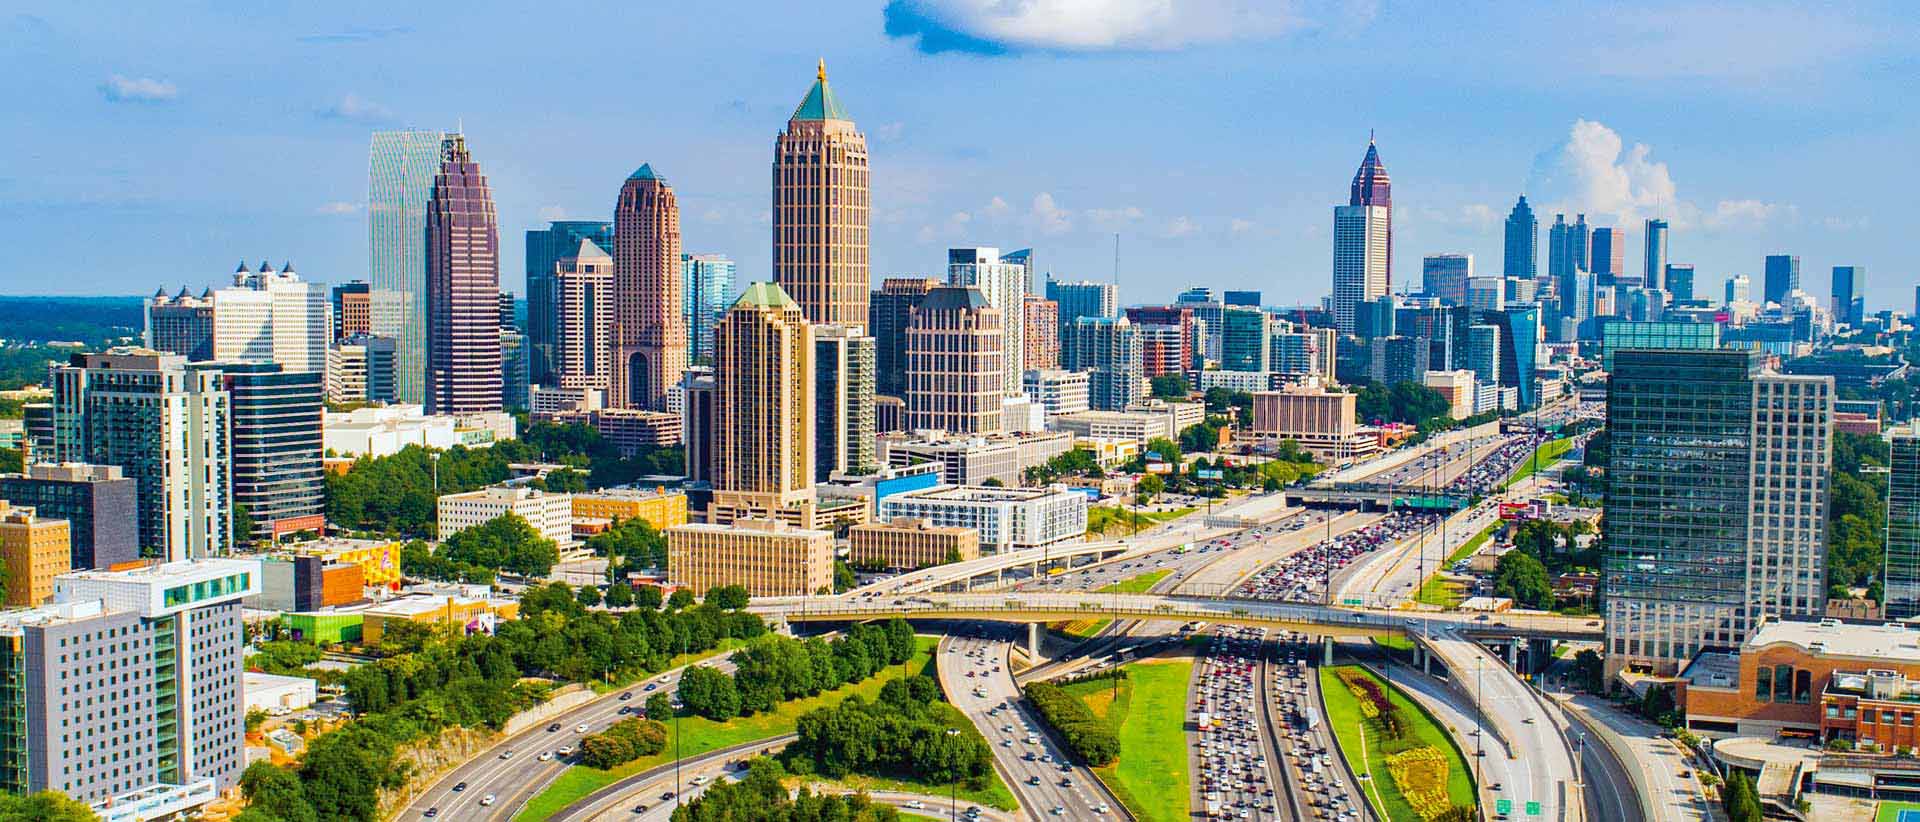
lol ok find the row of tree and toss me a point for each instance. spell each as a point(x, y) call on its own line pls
point(774, 669)
point(901, 735)
point(625, 741)
point(762, 797)
point(1089, 737)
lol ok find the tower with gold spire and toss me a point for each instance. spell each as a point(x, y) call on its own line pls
point(820, 209)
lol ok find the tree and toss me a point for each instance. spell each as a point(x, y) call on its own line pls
point(1200, 439)
point(242, 524)
point(1171, 387)
point(648, 597)
point(44, 806)
point(1741, 800)
point(681, 599)
point(589, 595)
point(619, 595)
point(1589, 671)
point(276, 791)
point(565, 481)
point(504, 543)
point(1520, 576)
point(1150, 485)
point(727, 597)
point(709, 693)
point(843, 579)
point(659, 706)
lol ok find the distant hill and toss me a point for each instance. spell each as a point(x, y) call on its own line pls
point(90, 320)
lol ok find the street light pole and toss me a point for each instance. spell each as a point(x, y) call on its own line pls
point(953, 787)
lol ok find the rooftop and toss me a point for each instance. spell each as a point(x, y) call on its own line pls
point(1886, 642)
point(977, 493)
point(170, 573)
point(820, 102)
point(762, 526)
point(1713, 669)
point(631, 494)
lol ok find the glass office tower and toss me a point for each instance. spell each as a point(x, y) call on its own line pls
point(1903, 525)
point(400, 171)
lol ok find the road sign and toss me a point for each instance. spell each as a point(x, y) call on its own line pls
point(1503, 805)
point(1351, 601)
point(1533, 809)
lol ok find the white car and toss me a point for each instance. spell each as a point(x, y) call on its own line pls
point(486, 800)
point(580, 728)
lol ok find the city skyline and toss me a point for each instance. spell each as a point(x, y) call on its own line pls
point(937, 186)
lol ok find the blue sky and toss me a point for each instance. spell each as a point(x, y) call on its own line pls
point(161, 143)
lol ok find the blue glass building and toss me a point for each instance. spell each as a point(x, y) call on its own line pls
point(400, 170)
point(706, 290)
point(545, 246)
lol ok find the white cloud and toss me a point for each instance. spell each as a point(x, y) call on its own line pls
point(1108, 219)
point(991, 26)
point(1182, 227)
point(121, 89)
point(357, 109)
point(888, 131)
point(1049, 218)
point(1747, 214)
point(338, 208)
point(1594, 172)
point(997, 209)
point(553, 212)
point(1241, 226)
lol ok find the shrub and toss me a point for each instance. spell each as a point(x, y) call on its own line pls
point(627, 740)
point(1089, 737)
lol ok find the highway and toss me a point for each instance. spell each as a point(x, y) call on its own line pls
point(1234, 764)
point(975, 672)
point(1658, 759)
point(1542, 765)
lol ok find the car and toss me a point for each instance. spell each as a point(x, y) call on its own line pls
point(459, 786)
point(486, 800)
point(665, 796)
point(640, 808)
point(545, 756)
point(652, 685)
point(1686, 774)
point(506, 754)
point(1066, 782)
point(580, 728)
point(914, 805)
point(626, 696)
point(1059, 810)
point(431, 813)
point(1033, 780)
point(565, 750)
point(554, 727)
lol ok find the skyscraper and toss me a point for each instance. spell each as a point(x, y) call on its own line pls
point(1244, 344)
point(1363, 241)
point(1679, 281)
point(763, 406)
point(1608, 254)
point(1084, 298)
point(1567, 246)
point(1004, 285)
point(401, 167)
point(1716, 504)
point(842, 402)
point(1042, 333)
point(1739, 289)
point(1109, 350)
point(545, 246)
point(581, 288)
point(181, 324)
point(820, 209)
point(352, 308)
point(271, 316)
point(463, 287)
point(1850, 294)
point(1902, 578)
point(1523, 242)
point(650, 338)
point(955, 379)
point(706, 283)
point(275, 448)
point(1654, 260)
point(1444, 277)
point(1783, 277)
point(1519, 344)
point(165, 423)
point(887, 317)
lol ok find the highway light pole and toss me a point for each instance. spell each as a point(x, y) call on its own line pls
point(953, 786)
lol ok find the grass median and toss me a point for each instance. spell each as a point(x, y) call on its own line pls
point(1149, 712)
point(698, 736)
point(1109, 520)
point(1403, 778)
point(1546, 454)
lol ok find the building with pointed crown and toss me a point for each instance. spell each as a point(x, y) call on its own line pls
point(1363, 241)
point(650, 352)
point(820, 209)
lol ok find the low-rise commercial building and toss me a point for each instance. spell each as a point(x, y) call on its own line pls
point(661, 508)
point(35, 550)
point(380, 431)
point(976, 459)
point(1457, 387)
point(767, 557)
point(1322, 421)
point(910, 543)
point(551, 515)
point(450, 611)
point(1109, 452)
point(1820, 680)
point(1057, 391)
point(326, 573)
point(1007, 519)
point(630, 430)
point(277, 694)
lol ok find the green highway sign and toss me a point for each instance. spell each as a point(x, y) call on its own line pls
point(1533, 809)
point(1351, 601)
point(1503, 805)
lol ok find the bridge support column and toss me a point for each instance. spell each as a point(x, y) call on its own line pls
point(1326, 650)
point(1539, 655)
point(1033, 643)
point(1513, 654)
point(1426, 659)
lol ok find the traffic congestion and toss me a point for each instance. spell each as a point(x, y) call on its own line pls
point(1236, 778)
point(1303, 576)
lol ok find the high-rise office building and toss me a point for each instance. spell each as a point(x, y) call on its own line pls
point(1519, 346)
point(401, 167)
point(650, 338)
point(1004, 285)
point(1042, 333)
point(1251, 299)
point(1522, 242)
point(1739, 289)
point(1487, 293)
point(582, 290)
point(1363, 241)
point(763, 403)
point(820, 209)
point(1608, 254)
point(274, 448)
point(163, 422)
point(1294, 353)
point(1084, 298)
point(1444, 277)
point(843, 425)
point(352, 308)
point(887, 318)
point(1169, 337)
point(360, 369)
point(34, 548)
point(1244, 343)
point(1208, 316)
point(706, 284)
point(181, 324)
point(1716, 504)
point(1654, 258)
point(1568, 246)
point(271, 316)
point(955, 380)
point(1902, 577)
point(1679, 281)
point(696, 422)
point(545, 246)
point(1024, 258)
point(510, 312)
point(463, 287)
point(1109, 350)
point(1849, 295)
point(1483, 353)
point(516, 370)
point(1434, 326)
point(127, 689)
point(1782, 277)
point(99, 502)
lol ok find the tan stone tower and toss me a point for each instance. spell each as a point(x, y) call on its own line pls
point(650, 335)
point(763, 407)
point(820, 210)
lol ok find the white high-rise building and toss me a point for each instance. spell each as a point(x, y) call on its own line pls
point(1004, 284)
point(272, 316)
point(1359, 259)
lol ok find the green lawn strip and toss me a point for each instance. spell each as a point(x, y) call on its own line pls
point(1137, 584)
point(1151, 717)
point(1468, 548)
point(1394, 643)
point(699, 735)
point(1364, 750)
point(1548, 452)
point(1439, 590)
point(1104, 698)
point(1080, 628)
point(1102, 519)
